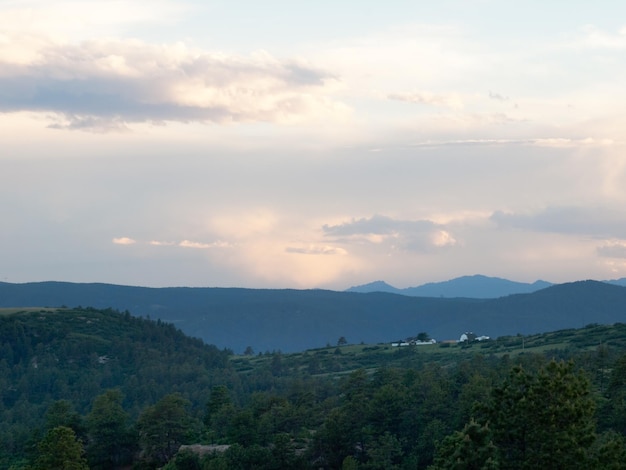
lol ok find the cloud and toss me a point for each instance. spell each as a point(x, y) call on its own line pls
point(204, 246)
point(161, 243)
point(550, 142)
point(104, 84)
point(93, 17)
point(377, 225)
point(412, 235)
point(603, 222)
point(498, 96)
point(560, 142)
point(443, 238)
point(124, 241)
point(612, 250)
point(182, 244)
point(596, 38)
point(316, 250)
point(89, 123)
point(472, 142)
point(451, 101)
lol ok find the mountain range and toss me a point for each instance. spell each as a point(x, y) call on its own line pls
point(475, 287)
point(296, 320)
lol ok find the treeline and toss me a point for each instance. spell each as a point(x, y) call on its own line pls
point(86, 388)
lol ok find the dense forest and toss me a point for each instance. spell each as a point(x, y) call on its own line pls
point(101, 389)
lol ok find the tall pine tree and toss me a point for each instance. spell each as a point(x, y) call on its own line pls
point(543, 419)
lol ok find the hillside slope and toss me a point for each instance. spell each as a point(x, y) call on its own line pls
point(75, 354)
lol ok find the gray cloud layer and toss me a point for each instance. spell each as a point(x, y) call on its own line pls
point(411, 235)
point(613, 250)
point(590, 221)
point(379, 225)
point(127, 81)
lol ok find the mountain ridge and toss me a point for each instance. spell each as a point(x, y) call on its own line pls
point(292, 320)
point(475, 286)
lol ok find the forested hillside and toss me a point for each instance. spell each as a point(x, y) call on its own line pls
point(86, 388)
point(296, 320)
point(77, 354)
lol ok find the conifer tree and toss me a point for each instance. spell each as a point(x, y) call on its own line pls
point(469, 449)
point(60, 450)
point(543, 420)
point(110, 441)
point(163, 427)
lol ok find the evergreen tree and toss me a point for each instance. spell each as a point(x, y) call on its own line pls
point(385, 453)
point(61, 413)
point(609, 453)
point(110, 441)
point(349, 463)
point(218, 400)
point(469, 449)
point(613, 411)
point(60, 450)
point(283, 455)
point(185, 460)
point(163, 427)
point(543, 420)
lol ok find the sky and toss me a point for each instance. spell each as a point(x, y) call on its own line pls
point(293, 144)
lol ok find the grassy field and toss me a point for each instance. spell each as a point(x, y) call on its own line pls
point(339, 360)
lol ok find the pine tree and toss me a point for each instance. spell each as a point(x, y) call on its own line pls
point(543, 420)
point(469, 449)
point(163, 427)
point(60, 450)
point(110, 440)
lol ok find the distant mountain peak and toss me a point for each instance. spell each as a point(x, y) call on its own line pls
point(476, 286)
point(376, 286)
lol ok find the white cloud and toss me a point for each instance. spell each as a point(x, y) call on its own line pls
point(561, 142)
point(498, 96)
point(106, 83)
point(595, 37)
point(69, 19)
point(124, 241)
point(452, 101)
point(316, 250)
point(161, 243)
point(204, 246)
point(613, 249)
point(443, 238)
point(471, 142)
point(182, 244)
point(394, 234)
